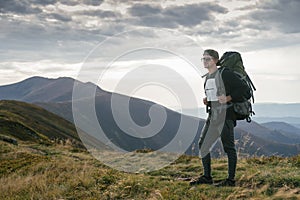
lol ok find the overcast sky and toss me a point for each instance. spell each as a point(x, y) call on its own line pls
point(53, 38)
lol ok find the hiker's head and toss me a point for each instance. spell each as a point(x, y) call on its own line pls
point(210, 57)
point(211, 53)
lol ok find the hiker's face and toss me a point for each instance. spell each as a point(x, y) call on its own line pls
point(208, 61)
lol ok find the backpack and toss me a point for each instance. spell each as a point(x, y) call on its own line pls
point(232, 61)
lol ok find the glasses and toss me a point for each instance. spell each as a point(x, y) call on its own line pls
point(206, 59)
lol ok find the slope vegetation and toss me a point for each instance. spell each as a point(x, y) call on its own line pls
point(27, 122)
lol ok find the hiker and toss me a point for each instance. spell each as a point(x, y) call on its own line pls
point(221, 117)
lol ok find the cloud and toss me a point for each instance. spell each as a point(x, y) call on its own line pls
point(247, 7)
point(141, 10)
point(82, 2)
point(67, 24)
point(47, 68)
point(35, 6)
point(69, 2)
point(21, 40)
point(52, 33)
point(18, 7)
point(268, 41)
point(44, 2)
point(99, 13)
point(188, 15)
point(284, 15)
point(257, 25)
point(60, 17)
point(92, 2)
point(63, 32)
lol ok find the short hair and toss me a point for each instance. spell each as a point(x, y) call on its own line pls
point(212, 53)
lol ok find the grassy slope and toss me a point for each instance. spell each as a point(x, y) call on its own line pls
point(34, 171)
point(28, 122)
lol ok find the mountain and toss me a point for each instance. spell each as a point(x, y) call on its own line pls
point(247, 141)
point(55, 95)
point(295, 121)
point(269, 134)
point(277, 112)
point(18, 91)
point(248, 145)
point(283, 127)
point(264, 112)
point(137, 117)
point(139, 112)
point(39, 89)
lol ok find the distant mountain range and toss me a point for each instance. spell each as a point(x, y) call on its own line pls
point(275, 112)
point(294, 121)
point(270, 133)
point(283, 127)
point(55, 95)
point(265, 112)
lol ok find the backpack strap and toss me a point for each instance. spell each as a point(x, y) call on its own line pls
point(205, 75)
point(219, 82)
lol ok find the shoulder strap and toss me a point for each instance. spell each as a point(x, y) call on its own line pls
point(221, 69)
point(205, 80)
point(219, 82)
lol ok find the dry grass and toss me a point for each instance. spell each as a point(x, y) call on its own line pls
point(31, 171)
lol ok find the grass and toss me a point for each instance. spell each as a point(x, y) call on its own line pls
point(29, 122)
point(58, 171)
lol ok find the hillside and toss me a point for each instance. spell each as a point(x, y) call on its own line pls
point(251, 139)
point(31, 171)
point(27, 122)
point(38, 168)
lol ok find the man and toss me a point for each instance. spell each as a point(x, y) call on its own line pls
point(222, 87)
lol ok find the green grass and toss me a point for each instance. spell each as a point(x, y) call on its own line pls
point(31, 123)
point(36, 171)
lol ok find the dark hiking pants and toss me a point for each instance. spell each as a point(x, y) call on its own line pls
point(227, 138)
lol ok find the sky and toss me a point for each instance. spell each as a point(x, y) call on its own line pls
point(115, 43)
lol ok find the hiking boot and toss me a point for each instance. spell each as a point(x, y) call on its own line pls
point(226, 182)
point(202, 180)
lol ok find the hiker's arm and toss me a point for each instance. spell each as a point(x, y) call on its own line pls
point(235, 88)
point(224, 99)
point(205, 102)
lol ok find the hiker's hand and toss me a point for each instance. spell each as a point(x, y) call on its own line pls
point(205, 101)
point(224, 99)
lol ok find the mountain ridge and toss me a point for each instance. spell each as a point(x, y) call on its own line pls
point(282, 126)
point(40, 89)
point(139, 110)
